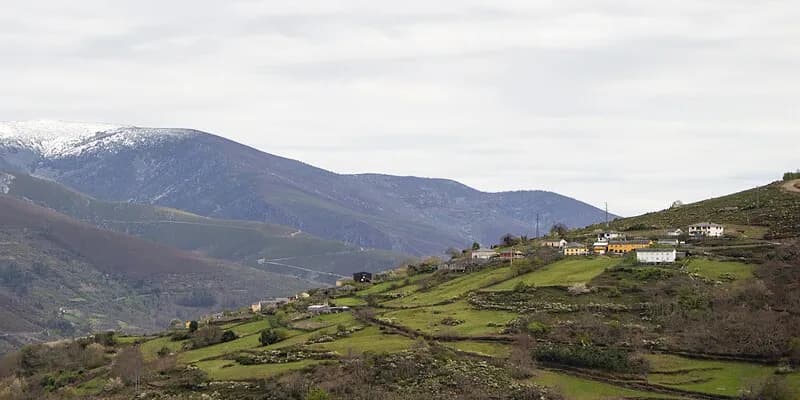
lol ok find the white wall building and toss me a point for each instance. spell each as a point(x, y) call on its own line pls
point(483, 254)
point(656, 256)
point(708, 229)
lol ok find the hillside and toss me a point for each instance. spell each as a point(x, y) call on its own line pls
point(266, 246)
point(60, 277)
point(771, 207)
point(215, 177)
point(544, 327)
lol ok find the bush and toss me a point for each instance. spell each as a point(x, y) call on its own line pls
point(164, 351)
point(268, 337)
point(791, 175)
point(605, 358)
point(228, 336)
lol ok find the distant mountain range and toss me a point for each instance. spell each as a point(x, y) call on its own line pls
point(269, 247)
point(215, 177)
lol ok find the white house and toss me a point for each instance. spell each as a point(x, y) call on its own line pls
point(668, 241)
point(676, 232)
point(708, 229)
point(483, 254)
point(656, 256)
point(319, 309)
point(557, 243)
point(610, 235)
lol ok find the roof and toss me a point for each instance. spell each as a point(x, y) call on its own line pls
point(635, 241)
point(574, 245)
point(655, 250)
point(707, 225)
point(484, 251)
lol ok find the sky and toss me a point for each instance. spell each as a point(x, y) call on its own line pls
point(635, 103)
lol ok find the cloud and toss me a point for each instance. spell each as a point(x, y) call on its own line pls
point(634, 103)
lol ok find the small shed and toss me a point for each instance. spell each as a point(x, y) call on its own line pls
point(362, 277)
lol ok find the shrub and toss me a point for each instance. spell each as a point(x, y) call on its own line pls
point(229, 335)
point(268, 337)
point(605, 358)
point(317, 394)
point(164, 351)
point(791, 175)
point(578, 289)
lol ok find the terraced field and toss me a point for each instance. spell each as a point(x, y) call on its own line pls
point(721, 270)
point(711, 377)
point(455, 319)
point(452, 289)
point(562, 273)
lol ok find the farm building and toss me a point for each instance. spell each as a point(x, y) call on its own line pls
point(557, 243)
point(452, 267)
point(343, 281)
point(656, 256)
point(270, 304)
point(606, 236)
point(668, 241)
point(362, 277)
point(508, 255)
point(626, 246)
point(600, 248)
point(708, 229)
point(575, 249)
point(483, 254)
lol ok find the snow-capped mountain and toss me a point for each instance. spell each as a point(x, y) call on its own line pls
point(213, 176)
point(58, 139)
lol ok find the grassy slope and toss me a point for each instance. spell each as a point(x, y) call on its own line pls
point(429, 319)
point(562, 273)
point(227, 370)
point(713, 377)
point(716, 270)
point(769, 206)
point(575, 388)
point(486, 349)
point(454, 288)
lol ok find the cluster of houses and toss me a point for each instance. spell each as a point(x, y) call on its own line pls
point(610, 243)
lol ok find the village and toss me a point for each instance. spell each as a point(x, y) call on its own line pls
point(666, 248)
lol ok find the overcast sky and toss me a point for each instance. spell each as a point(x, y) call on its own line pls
point(637, 103)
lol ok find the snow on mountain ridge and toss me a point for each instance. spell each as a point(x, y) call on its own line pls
point(57, 139)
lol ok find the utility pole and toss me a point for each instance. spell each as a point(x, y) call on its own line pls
point(537, 225)
point(606, 214)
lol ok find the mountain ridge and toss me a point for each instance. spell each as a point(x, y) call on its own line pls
point(216, 177)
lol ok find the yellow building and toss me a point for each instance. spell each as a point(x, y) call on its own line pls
point(575, 249)
point(600, 248)
point(627, 246)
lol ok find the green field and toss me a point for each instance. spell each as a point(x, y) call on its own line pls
point(453, 289)
point(562, 273)
point(488, 349)
point(392, 285)
point(325, 320)
point(716, 270)
point(150, 348)
point(217, 350)
point(250, 327)
point(575, 388)
point(429, 320)
point(369, 339)
point(349, 301)
point(712, 377)
point(227, 370)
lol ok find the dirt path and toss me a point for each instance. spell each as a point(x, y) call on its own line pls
point(792, 186)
